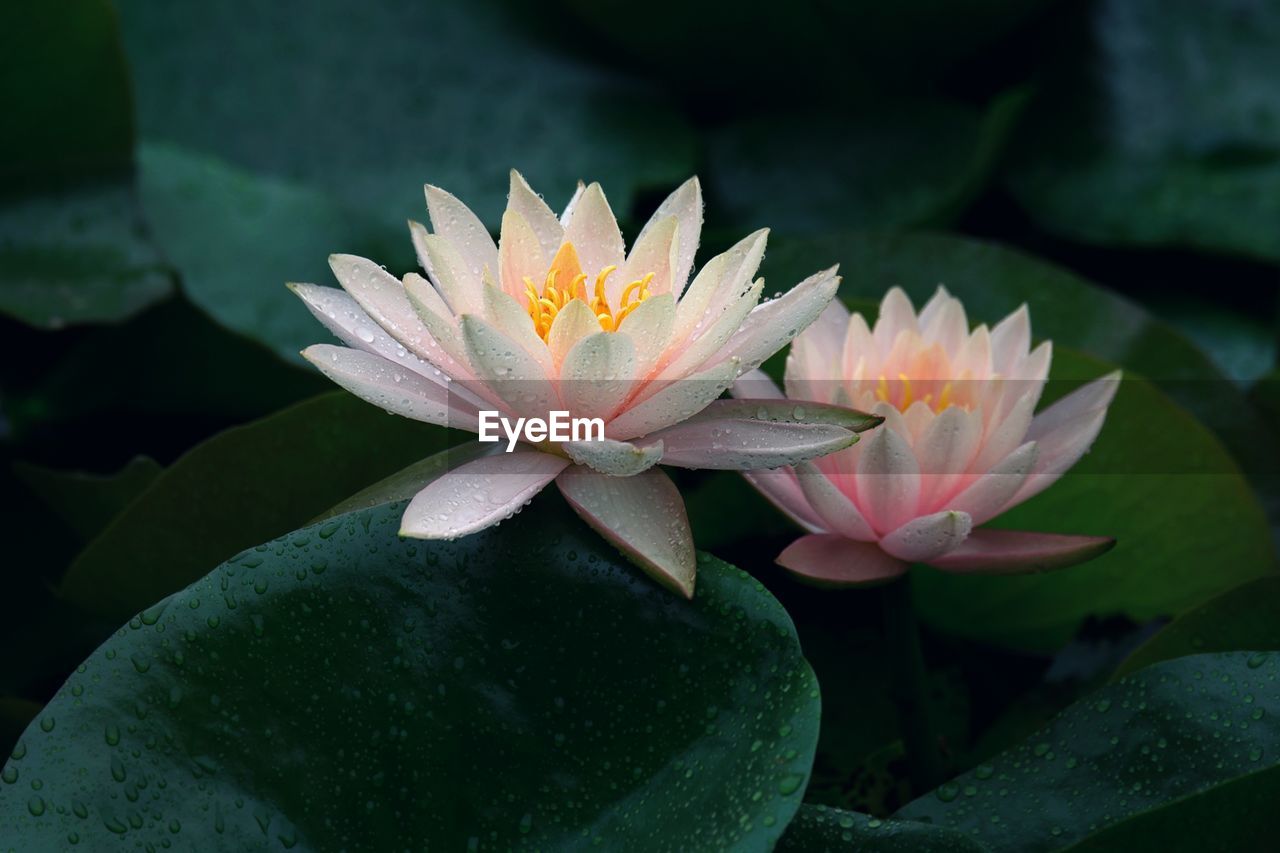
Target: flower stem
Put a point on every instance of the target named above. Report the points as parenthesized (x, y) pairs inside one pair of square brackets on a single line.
[(908, 685)]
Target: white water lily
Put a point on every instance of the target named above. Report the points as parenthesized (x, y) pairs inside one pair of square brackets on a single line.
[(559, 316)]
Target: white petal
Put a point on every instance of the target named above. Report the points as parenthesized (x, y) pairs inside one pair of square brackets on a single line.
[(504, 312), (454, 221), (832, 505), (644, 516), (479, 494), (615, 458), (390, 386), (448, 353), (597, 375), (520, 255), (508, 371), (945, 452), (743, 444), (946, 324), (685, 204), (928, 537), (593, 231), (383, 298), (567, 213), (674, 402), (448, 273), (1059, 450), (773, 324), (343, 316), (651, 254), (888, 481), (649, 327), (717, 283), (709, 345), (573, 323), (1005, 435), (987, 496), (524, 201)]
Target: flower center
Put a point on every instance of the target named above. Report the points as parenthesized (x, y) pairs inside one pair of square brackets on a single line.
[(901, 393), (566, 282)]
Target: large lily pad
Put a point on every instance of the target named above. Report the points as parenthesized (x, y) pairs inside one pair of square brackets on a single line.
[(881, 166), (1182, 755), (239, 487), (1161, 126), (72, 246), (344, 688), (1247, 617), (821, 829)]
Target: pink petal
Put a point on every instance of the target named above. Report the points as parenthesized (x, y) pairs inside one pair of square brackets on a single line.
[(928, 537), (737, 444), (1096, 395), (455, 222), (896, 316), (1014, 551), (780, 488), (1059, 450), (987, 496), (1011, 339), (834, 561), (830, 504), (479, 494), (888, 480), (756, 384), (710, 345), (943, 321), (644, 516)]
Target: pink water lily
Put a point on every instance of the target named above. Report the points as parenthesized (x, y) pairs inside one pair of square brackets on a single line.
[(960, 444), (557, 315)]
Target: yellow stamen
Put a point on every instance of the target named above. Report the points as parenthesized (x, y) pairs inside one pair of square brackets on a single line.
[(944, 399), (544, 306), (882, 390), (906, 391)]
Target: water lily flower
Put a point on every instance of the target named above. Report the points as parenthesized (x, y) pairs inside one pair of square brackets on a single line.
[(559, 317), (959, 445)]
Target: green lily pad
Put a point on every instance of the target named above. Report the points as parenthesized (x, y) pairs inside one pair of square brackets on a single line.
[(1182, 755), (88, 502), (238, 238), (822, 829), (341, 687), (905, 164), (1161, 127), (239, 487), (448, 93), (72, 245), (1157, 481), (1247, 617)]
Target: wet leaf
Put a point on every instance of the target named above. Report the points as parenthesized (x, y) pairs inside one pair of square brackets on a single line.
[(1160, 127), (821, 829), (342, 687), (1182, 755), (237, 488)]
